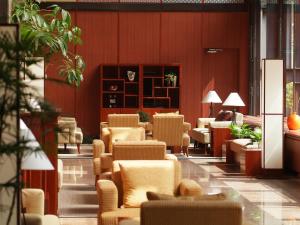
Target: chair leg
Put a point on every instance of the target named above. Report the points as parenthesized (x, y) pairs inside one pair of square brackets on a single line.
[(78, 148), (65, 146), (185, 150)]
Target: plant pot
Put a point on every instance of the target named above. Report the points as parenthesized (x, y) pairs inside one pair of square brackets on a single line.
[(293, 121)]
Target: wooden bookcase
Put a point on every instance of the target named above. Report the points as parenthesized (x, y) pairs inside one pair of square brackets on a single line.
[(148, 91)]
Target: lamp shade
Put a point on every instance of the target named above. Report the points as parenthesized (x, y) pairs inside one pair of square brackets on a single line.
[(212, 97), (33, 160), (233, 99)]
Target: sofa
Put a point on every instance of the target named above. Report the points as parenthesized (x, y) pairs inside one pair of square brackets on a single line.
[(131, 179), (33, 207), (172, 212)]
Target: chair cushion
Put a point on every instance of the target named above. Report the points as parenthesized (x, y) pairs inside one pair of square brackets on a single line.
[(125, 134), (224, 116), (50, 220), (113, 217), (141, 176)]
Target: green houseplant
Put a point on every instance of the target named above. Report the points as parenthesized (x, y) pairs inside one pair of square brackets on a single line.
[(171, 79), (49, 32)]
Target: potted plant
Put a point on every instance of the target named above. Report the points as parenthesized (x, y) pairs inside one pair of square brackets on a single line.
[(171, 79), (256, 136), (243, 131)]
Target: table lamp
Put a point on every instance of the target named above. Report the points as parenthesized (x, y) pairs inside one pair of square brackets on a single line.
[(33, 160), (211, 97), (234, 100)]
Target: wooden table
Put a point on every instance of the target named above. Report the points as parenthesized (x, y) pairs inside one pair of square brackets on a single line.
[(249, 159)]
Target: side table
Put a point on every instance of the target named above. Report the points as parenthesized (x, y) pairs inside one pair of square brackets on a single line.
[(218, 137)]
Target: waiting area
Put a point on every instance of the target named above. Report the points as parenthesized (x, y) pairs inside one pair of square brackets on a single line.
[(171, 112)]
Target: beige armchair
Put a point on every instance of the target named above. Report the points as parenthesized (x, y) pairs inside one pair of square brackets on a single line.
[(69, 132), (173, 130), (33, 207), (127, 150), (122, 196), (179, 212), (119, 120)]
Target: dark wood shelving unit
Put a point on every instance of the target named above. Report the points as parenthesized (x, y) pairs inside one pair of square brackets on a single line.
[(148, 91)]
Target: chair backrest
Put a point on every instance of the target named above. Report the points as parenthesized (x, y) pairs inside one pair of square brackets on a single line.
[(33, 200), (139, 150), (123, 120), (168, 128), (125, 134), (178, 212), (145, 167)]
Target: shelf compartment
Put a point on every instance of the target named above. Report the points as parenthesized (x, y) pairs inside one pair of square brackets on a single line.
[(110, 72), (113, 85), (131, 101), (173, 93), (147, 87), (113, 100), (152, 71), (174, 70), (132, 88), (123, 72), (158, 82), (160, 92), (159, 102)]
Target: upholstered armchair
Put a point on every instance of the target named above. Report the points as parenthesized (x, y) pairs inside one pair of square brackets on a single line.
[(33, 207), (178, 212), (127, 150), (69, 133), (122, 196), (102, 149), (120, 120), (173, 130)]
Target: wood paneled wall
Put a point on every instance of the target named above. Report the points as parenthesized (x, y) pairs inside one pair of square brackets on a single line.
[(159, 37)]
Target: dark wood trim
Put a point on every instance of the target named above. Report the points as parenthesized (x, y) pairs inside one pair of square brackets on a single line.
[(149, 7)]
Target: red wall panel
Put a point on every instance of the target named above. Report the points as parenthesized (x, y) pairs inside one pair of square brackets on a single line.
[(181, 35), (99, 35), (162, 38), (139, 37)]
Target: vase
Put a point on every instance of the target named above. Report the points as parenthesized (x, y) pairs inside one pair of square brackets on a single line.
[(293, 121), (130, 75), (174, 81)]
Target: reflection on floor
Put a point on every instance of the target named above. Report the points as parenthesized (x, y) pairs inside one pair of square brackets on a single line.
[(266, 201)]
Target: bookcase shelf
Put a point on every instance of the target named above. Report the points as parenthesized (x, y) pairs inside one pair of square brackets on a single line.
[(147, 90)]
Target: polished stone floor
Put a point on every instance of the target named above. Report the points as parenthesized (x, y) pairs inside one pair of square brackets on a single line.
[(266, 201)]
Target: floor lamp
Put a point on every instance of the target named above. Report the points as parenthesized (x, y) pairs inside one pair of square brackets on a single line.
[(234, 100), (211, 97)]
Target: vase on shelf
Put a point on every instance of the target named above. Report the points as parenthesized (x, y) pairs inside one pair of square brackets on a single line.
[(293, 121), (174, 81), (130, 75)]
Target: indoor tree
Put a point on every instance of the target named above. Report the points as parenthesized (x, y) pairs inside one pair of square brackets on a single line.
[(48, 32)]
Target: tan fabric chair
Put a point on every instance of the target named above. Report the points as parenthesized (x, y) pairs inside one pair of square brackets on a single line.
[(127, 150), (120, 120), (33, 205), (148, 175), (179, 212), (69, 132), (173, 130)]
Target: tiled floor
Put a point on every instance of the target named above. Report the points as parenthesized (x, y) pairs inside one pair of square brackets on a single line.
[(266, 201)]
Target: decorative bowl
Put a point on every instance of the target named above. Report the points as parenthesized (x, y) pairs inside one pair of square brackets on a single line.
[(113, 87)]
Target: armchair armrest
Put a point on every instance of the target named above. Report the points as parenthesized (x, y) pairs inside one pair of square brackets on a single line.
[(98, 148), (105, 136), (32, 219), (33, 200), (203, 122), (220, 124), (186, 126), (107, 195), (189, 187)]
